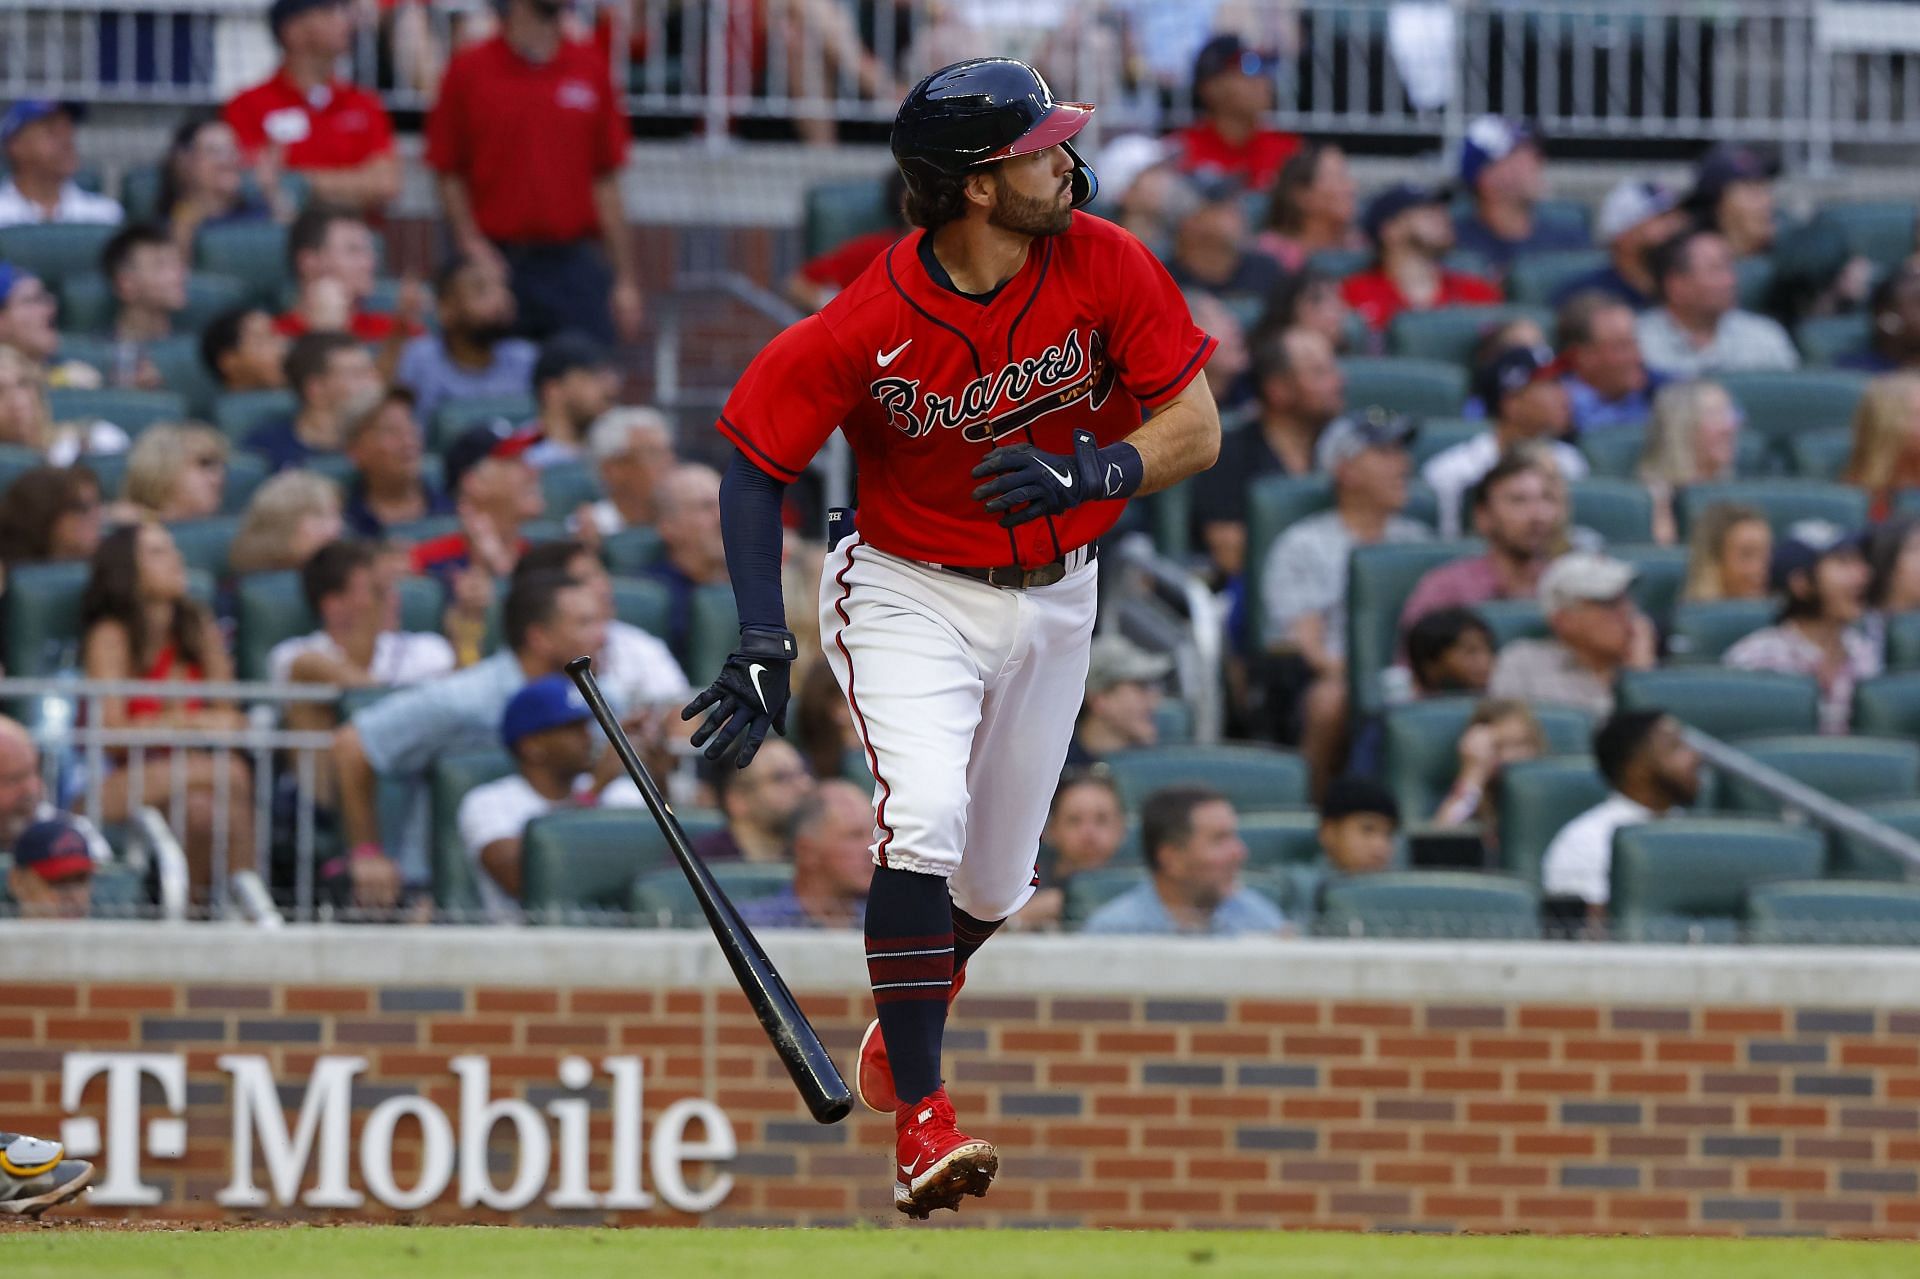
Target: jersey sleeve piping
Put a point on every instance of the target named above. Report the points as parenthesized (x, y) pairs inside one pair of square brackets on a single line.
[(779, 470), (1187, 373)]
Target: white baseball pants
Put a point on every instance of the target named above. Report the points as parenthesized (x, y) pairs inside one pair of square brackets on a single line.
[(965, 695)]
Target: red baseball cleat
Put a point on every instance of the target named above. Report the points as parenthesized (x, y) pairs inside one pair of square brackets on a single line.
[(873, 1074), (935, 1164)]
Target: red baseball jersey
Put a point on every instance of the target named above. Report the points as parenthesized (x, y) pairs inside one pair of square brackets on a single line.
[(338, 126), (1090, 333)]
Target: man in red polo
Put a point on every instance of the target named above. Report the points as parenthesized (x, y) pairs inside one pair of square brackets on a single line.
[(528, 138), (1411, 235), (335, 135)]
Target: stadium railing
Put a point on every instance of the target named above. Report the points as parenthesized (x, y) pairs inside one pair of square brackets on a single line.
[(1804, 75)]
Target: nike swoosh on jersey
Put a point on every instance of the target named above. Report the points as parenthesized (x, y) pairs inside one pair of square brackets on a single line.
[(1065, 478), (884, 359), (754, 672)]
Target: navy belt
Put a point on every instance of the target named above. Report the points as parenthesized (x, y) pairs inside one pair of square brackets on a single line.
[(1013, 577)]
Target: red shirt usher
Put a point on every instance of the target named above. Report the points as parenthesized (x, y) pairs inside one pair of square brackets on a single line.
[(338, 126), (1090, 333)]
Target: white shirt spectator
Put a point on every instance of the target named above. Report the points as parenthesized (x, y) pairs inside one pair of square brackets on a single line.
[(75, 205), (1306, 572), (501, 809), (1741, 341), (1451, 472), (1786, 650), (399, 657), (1579, 861), (640, 667)]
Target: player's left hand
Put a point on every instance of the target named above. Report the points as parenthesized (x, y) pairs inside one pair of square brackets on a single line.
[(748, 698), (1026, 483)]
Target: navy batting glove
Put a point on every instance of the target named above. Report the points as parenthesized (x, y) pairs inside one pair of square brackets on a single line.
[(1027, 484), (748, 698)]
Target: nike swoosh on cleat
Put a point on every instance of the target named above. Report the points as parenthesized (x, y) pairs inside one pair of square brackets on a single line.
[(1065, 478), (754, 672), (889, 357), (913, 1169)]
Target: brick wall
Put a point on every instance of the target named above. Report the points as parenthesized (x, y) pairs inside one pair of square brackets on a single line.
[(1113, 1108)]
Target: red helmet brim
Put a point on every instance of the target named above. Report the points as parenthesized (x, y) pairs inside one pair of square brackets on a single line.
[(1057, 126)]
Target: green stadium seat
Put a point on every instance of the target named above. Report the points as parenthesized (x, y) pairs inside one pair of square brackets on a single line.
[(1877, 229), (270, 608), (237, 413), (1277, 840), (1785, 502), (1821, 454), (1824, 339), (643, 602), (1088, 891), (1618, 510), (1256, 778), (1903, 641), (631, 551), (457, 415), (1537, 276), (1687, 878), (1853, 770), (1274, 504), (1823, 913), (87, 305), (42, 618), (580, 862), (1571, 216), (1449, 333), (1170, 519), (567, 486), (1422, 388), (1422, 747), (204, 543), (712, 632), (422, 601), (131, 411), (1416, 903), (838, 211), (1613, 453), (55, 251), (16, 460), (1727, 704), (1851, 857), (1379, 580), (1906, 502), (1173, 722), (1340, 263), (664, 898), (1535, 799), (455, 885), (1703, 631), (178, 362), (1661, 574), (246, 472), (1438, 434), (1779, 404), (1510, 620), (1753, 278), (119, 891), (1888, 705), (252, 252)]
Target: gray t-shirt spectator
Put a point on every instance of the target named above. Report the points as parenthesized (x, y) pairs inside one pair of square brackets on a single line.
[(1140, 910), (1306, 572), (1544, 670), (1742, 341), (426, 370)]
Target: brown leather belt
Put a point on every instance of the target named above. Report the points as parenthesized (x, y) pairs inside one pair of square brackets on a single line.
[(1012, 577)]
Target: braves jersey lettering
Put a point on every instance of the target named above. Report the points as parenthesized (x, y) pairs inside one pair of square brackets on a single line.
[(1090, 334)]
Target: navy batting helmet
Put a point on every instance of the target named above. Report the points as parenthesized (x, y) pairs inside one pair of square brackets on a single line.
[(981, 110)]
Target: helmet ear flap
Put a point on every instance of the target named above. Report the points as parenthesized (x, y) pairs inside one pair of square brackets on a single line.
[(1086, 184)]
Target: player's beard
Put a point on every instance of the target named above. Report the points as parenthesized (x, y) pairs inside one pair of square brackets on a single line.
[(1024, 215)]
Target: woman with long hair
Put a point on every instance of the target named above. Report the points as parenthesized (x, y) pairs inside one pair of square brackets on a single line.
[(138, 622), (203, 183), (1312, 208), (293, 515), (1728, 553), (50, 513), (177, 471), (1694, 438), (1886, 441)]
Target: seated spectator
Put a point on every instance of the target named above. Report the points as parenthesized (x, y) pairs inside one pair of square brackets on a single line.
[(632, 450), (1233, 94), (1699, 329), (26, 418), (309, 120), (1226, 368), (1411, 234), (148, 277), (823, 726), (333, 380), (1821, 577), (1359, 821), (475, 352), (27, 311), (332, 259), (574, 383), (494, 493), (23, 795), (1313, 207), (822, 276), (1305, 590), (1694, 438), (1651, 773), (687, 516), (1449, 650), (1299, 389), (1123, 692), (1504, 172), (1525, 402), (1635, 216), (1211, 248), (1729, 550), (832, 864), (243, 350), (546, 622), (1308, 299), (203, 183), (1191, 839), (1607, 382), (1149, 195), (759, 802), (386, 447), (633, 662), (1086, 824), (1893, 341), (1500, 732), (1816, 273), (177, 471), (1886, 441), (544, 727), (1893, 559), (1598, 632), (37, 141), (52, 872), (289, 517), (139, 623), (1517, 510), (49, 514), (1733, 195), (1500, 336)]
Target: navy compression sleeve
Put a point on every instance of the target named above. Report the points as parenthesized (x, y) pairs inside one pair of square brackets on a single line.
[(750, 513)]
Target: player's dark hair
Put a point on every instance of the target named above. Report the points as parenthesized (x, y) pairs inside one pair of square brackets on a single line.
[(1618, 741), (1433, 636), (309, 231), (1674, 256), (1166, 817), (532, 601), (329, 569), (309, 356), (222, 336), (938, 200), (549, 557), (125, 242), (1517, 461)]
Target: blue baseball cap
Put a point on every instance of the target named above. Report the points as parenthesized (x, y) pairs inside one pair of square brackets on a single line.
[(1394, 201), (1489, 140), (55, 850), (11, 275), (548, 702), (32, 110)]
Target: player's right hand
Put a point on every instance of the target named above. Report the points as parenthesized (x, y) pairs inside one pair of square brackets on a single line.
[(748, 698)]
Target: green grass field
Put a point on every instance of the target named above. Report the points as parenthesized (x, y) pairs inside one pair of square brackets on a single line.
[(72, 1251)]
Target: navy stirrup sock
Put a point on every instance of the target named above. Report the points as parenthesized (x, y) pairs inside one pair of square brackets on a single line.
[(910, 953), (969, 935)]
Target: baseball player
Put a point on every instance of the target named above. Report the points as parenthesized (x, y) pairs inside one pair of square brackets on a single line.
[(1008, 374)]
